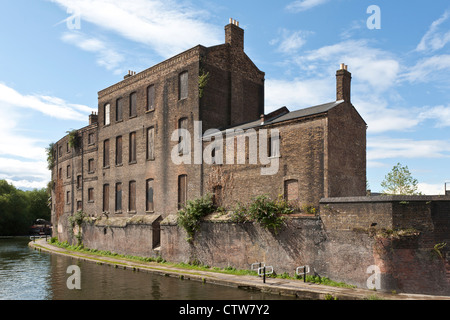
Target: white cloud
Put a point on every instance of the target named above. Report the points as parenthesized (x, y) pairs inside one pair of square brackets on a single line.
[(440, 114), (107, 57), (50, 106), (431, 189), (297, 94), (435, 39), (386, 148), (168, 27), (290, 41), (429, 69), (303, 5)]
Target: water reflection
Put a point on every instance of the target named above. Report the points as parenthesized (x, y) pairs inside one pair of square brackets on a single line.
[(28, 274)]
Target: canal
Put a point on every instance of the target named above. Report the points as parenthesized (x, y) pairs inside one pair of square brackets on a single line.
[(27, 274)]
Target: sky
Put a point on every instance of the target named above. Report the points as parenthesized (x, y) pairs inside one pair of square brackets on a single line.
[(55, 55)]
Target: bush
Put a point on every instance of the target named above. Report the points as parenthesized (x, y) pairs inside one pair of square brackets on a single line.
[(190, 215)]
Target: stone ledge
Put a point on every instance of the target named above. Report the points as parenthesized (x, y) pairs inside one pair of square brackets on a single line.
[(122, 222), (383, 199)]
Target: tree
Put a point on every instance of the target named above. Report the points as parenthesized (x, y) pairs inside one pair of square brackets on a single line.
[(400, 182)]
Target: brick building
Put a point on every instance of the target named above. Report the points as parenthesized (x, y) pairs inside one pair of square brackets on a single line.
[(123, 165)]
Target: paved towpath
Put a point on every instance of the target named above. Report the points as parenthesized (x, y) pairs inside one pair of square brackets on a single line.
[(273, 285)]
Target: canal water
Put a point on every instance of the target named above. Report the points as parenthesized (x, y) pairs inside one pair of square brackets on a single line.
[(26, 274)]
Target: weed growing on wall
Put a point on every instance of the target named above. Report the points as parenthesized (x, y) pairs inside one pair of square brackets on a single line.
[(193, 211)]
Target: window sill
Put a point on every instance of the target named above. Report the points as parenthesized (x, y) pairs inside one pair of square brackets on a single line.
[(119, 121), (150, 211), (150, 110), (91, 172), (106, 167), (118, 212), (132, 162), (132, 117), (119, 164), (151, 159), (132, 212)]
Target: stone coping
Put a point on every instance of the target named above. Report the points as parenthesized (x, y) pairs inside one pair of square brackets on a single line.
[(383, 198), (122, 222)]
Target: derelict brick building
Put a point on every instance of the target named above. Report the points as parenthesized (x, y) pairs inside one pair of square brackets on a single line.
[(123, 164)]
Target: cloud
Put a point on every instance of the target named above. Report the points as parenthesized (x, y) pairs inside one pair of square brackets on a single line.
[(440, 114), (303, 5), (290, 41), (431, 189), (168, 27), (435, 39), (50, 106), (296, 94), (387, 148), (428, 69), (107, 57)]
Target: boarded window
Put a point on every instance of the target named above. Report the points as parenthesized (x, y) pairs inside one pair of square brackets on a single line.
[(91, 138), (79, 181), (107, 113), (68, 171), (183, 85), (132, 147), (60, 151), (118, 196), (132, 196), (217, 196), (68, 197), (79, 205), (151, 143), (106, 198), (119, 109), (91, 195), (106, 153), (291, 191), (151, 98), (60, 173), (119, 150), (91, 166), (183, 147), (133, 105), (182, 190), (149, 196)]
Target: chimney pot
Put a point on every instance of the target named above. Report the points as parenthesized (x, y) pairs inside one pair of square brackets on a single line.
[(343, 83)]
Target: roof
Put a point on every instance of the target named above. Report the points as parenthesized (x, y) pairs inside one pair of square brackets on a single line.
[(283, 114)]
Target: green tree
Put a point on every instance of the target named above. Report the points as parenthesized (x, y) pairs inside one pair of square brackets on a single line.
[(400, 182), (19, 209)]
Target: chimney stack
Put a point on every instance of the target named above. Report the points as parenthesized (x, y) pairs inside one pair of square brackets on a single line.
[(93, 118), (343, 83), (234, 35)]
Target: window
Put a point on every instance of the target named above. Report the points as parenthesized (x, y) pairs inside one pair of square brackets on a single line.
[(149, 196), (183, 85), (106, 153), (91, 195), (182, 190), (132, 147), (183, 147), (119, 150), (79, 205), (118, 197), (67, 147), (106, 198), (151, 143), (274, 146), (60, 173), (132, 196), (119, 109), (133, 105), (60, 151), (68, 171), (107, 112), (291, 191), (91, 138), (151, 98), (68, 197), (91, 167), (79, 181)]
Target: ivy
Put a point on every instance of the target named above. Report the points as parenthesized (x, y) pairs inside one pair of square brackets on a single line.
[(74, 139), (189, 217), (50, 156), (202, 82)]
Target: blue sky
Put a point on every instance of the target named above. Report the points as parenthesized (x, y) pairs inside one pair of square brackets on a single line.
[(55, 55)]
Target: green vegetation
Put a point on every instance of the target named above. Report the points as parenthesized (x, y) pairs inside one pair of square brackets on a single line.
[(19, 209), (202, 82), (268, 213), (193, 211), (74, 139), (77, 220), (50, 150), (400, 182)]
